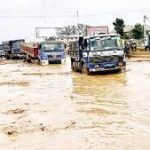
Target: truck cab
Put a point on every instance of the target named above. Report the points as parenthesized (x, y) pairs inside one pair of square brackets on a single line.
[(98, 53), (51, 52)]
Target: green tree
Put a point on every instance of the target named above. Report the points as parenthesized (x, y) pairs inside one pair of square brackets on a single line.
[(72, 30), (138, 31), (119, 26)]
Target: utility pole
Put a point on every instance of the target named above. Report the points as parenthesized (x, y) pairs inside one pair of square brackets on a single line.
[(78, 22), (145, 18), (145, 27)]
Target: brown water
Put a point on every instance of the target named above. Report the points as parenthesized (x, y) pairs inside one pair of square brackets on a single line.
[(52, 108)]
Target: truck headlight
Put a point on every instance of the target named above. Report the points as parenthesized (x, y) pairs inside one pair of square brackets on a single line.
[(120, 64)]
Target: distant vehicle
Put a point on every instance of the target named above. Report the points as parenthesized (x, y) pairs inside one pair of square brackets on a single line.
[(12, 48), (51, 52), (45, 52), (97, 53), (147, 42), (2, 52)]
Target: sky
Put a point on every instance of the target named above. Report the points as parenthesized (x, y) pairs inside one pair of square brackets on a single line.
[(18, 18)]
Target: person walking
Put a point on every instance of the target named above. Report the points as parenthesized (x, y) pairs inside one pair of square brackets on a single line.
[(127, 49)]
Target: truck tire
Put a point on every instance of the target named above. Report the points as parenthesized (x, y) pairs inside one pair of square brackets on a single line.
[(74, 66), (7, 56), (28, 59), (59, 62), (80, 65), (24, 58), (11, 56), (39, 62), (85, 70)]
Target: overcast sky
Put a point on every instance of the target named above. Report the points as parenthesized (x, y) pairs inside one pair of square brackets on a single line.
[(20, 17)]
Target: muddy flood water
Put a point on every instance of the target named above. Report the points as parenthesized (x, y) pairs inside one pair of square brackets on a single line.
[(52, 108)]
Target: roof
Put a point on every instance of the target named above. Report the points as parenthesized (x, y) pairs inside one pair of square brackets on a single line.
[(10, 41), (53, 41)]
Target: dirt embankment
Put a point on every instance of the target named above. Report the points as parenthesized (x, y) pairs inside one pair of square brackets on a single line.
[(140, 53)]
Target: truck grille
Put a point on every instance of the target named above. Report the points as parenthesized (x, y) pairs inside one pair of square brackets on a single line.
[(105, 59), (54, 56)]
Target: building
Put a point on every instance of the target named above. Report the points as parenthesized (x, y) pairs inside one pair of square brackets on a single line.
[(93, 30)]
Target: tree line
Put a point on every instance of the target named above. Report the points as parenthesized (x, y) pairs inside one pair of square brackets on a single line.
[(137, 32)]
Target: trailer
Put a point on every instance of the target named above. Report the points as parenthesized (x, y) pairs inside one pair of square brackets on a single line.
[(30, 51)]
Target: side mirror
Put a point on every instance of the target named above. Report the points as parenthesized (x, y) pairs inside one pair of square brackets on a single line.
[(39, 46)]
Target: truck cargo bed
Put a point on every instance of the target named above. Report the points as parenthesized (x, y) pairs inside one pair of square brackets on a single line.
[(30, 49)]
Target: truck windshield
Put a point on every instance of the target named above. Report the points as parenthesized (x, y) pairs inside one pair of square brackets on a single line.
[(52, 47), (16, 45), (1, 47), (106, 44)]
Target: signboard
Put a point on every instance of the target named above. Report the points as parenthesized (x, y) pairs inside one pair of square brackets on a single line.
[(46, 32), (94, 30)]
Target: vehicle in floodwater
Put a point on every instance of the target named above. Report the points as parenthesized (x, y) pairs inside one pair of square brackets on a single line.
[(12, 48), (30, 51), (97, 54), (2, 52), (45, 52), (51, 52), (147, 42)]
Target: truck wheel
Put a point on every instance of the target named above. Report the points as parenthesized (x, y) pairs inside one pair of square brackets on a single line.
[(39, 62), (85, 70), (80, 67), (11, 56), (74, 66), (24, 58), (28, 59), (7, 56), (59, 62)]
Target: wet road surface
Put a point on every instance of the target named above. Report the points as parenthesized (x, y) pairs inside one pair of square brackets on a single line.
[(52, 108)]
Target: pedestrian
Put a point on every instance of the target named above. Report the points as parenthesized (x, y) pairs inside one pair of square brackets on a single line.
[(127, 49), (133, 46)]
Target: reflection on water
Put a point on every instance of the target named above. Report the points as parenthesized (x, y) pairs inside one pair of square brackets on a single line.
[(50, 107)]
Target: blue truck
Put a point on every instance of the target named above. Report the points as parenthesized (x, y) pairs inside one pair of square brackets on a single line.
[(97, 54), (51, 52), (45, 52), (12, 48)]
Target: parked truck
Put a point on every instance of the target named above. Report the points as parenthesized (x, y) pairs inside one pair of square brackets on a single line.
[(45, 52), (2, 52), (147, 42), (12, 48), (97, 53)]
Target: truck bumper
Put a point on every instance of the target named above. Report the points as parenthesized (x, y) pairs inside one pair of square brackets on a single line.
[(107, 69)]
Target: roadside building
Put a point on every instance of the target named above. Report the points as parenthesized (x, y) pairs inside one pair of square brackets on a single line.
[(93, 30)]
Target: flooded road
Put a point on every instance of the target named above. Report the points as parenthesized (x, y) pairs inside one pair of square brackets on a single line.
[(52, 108)]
